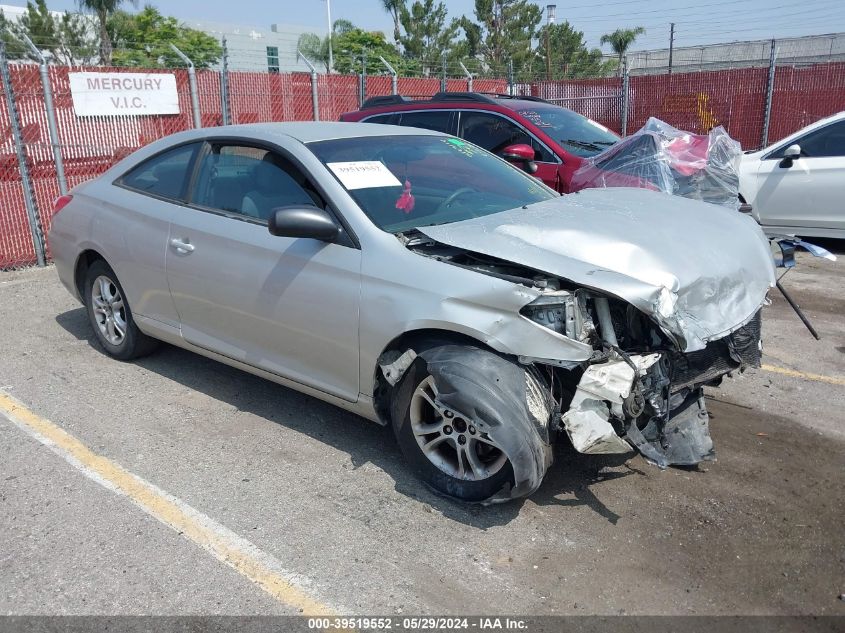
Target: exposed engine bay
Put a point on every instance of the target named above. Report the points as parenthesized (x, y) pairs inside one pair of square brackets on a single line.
[(637, 390)]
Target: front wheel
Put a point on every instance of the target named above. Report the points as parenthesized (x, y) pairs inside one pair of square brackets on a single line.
[(448, 451), (110, 316)]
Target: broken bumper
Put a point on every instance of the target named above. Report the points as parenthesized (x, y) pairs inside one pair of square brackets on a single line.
[(653, 402)]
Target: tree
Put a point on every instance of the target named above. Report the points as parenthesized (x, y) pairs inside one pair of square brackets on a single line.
[(507, 28), (16, 48), (350, 47), (620, 40), (427, 35), (104, 9), (157, 32), (570, 57), (67, 39), (395, 8), (316, 49), (77, 43)]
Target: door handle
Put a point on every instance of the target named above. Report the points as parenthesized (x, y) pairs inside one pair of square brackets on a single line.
[(182, 246)]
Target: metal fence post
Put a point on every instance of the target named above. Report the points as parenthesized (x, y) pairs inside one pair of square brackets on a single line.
[(510, 77), (315, 104), (770, 89), (20, 150), (394, 78), (469, 76), (443, 83), (625, 97), (224, 85), (52, 125), (363, 91), (192, 83)]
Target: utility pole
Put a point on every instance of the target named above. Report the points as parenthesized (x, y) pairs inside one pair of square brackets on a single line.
[(550, 15), (331, 32), (671, 44)]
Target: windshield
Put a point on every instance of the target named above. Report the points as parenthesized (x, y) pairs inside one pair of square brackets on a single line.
[(403, 182), (577, 134)]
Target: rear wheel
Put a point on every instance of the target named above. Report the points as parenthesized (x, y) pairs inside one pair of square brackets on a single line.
[(448, 450), (110, 316)]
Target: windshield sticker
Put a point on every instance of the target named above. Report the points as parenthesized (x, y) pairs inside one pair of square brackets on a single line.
[(364, 174), (535, 118), (462, 146)]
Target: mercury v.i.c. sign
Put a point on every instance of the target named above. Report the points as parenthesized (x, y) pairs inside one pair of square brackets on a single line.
[(123, 94)]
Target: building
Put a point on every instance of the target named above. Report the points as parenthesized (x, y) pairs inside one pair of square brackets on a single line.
[(795, 50), (258, 49)]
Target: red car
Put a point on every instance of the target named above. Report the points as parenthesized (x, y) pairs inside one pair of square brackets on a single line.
[(525, 130)]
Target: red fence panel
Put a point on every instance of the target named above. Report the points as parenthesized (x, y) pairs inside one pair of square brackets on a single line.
[(337, 94), (597, 99), (804, 95), (699, 101)]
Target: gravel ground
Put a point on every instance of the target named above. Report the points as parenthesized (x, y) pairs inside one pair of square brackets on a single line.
[(326, 493)]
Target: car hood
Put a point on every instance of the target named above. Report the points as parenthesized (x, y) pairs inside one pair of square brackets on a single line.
[(700, 270)]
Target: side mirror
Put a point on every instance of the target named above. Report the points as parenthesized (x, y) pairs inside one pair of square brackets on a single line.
[(792, 152), (303, 221), (522, 154)]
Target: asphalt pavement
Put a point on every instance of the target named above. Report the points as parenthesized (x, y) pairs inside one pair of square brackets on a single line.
[(177, 485)]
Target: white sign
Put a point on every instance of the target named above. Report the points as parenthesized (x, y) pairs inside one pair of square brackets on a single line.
[(364, 174), (123, 94)]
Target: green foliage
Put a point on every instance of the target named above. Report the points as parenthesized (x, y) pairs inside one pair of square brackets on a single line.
[(621, 39), (65, 40), (9, 35), (507, 28), (395, 8), (427, 35), (349, 48), (143, 40), (570, 57), (103, 10)]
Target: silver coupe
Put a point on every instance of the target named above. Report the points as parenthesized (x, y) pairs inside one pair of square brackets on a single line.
[(417, 280)]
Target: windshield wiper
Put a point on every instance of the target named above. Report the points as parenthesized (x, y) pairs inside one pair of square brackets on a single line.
[(604, 142), (582, 144)]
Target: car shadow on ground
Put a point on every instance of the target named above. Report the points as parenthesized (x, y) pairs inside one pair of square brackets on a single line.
[(570, 477)]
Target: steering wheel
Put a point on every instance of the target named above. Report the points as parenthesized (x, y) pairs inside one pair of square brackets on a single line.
[(455, 195)]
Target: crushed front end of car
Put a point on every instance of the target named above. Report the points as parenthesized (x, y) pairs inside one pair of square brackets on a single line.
[(667, 293), (638, 390)]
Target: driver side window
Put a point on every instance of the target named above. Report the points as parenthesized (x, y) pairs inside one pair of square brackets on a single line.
[(249, 181), (494, 133), (825, 142)]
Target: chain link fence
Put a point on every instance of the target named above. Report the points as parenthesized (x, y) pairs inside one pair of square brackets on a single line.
[(754, 104)]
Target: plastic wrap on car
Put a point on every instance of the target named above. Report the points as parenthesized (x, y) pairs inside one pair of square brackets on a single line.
[(659, 156)]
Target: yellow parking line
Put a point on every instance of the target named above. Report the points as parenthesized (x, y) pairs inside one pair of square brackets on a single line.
[(831, 380), (223, 544)]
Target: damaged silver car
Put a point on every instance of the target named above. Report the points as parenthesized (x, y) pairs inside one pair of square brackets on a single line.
[(419, 281)]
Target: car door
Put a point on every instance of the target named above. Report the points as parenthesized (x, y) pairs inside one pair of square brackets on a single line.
[(133, 220), (494, 132), (807, 191), (285, 305)]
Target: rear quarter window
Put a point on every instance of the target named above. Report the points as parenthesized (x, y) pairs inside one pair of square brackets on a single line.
[(389, 119), (165, 175)]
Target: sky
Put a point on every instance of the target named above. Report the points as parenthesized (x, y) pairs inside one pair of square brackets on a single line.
[(700, 22)]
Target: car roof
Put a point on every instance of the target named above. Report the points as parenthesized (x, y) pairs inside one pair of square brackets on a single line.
[(307, 131), (387, 104)]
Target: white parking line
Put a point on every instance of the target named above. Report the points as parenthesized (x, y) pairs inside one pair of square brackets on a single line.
[(225, 545)]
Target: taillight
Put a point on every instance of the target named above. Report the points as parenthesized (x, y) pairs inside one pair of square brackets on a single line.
[(61, 203)]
